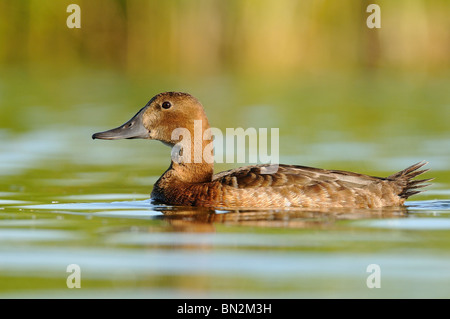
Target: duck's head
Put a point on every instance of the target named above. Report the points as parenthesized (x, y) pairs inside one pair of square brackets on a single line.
[(157, 120)]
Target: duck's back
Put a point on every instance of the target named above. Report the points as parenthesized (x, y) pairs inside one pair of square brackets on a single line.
[(301, 186), (296, 186)]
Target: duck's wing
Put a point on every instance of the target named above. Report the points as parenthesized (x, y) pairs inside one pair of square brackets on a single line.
[(306, 186), (286, 175)]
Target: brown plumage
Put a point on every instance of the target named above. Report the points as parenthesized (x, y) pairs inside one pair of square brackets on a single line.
[(193, 184)]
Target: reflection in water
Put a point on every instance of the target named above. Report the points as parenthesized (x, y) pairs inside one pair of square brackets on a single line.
[(192, 219), (201, 219)]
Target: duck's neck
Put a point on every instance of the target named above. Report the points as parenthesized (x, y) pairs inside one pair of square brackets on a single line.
[(192, 157), (192, 172)]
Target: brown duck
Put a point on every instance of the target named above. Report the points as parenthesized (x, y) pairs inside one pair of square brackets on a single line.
[(193, 183)]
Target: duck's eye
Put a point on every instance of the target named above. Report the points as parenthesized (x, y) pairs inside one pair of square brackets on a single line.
[(166, 105)]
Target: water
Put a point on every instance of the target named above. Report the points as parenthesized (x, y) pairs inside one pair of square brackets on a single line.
[(135, 249), (65, 199)]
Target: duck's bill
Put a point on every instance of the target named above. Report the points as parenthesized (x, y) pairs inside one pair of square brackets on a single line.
[(134, 128)]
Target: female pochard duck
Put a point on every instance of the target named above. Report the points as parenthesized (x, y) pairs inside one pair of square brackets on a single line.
[(189, 183)]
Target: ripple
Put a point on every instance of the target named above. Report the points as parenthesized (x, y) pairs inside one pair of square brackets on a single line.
[(438, 192), (12, 202), (429, 205), (145, 204), (241, 240), (26, 235), (105, 196), (29, 222), (101, 263), (129, 213), (422, 223)]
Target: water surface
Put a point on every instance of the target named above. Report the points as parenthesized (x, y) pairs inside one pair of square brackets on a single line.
[(65, 199)]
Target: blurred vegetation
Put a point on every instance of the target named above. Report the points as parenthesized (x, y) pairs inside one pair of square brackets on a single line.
[(314, 63), (207, 37)]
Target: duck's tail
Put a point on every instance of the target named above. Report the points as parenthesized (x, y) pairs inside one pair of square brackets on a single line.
[(404, 179)]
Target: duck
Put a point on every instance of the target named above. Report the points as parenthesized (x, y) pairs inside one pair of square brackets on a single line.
[(193, 183)]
